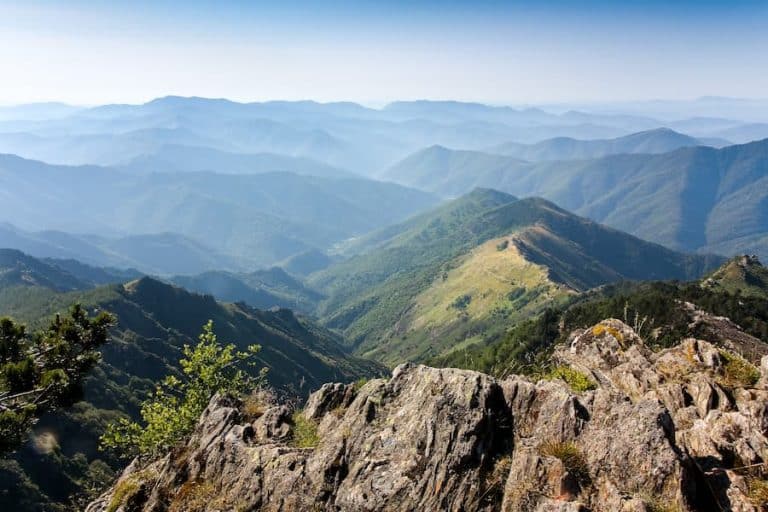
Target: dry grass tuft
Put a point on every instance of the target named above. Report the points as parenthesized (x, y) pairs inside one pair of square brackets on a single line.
[(571, 457), (256, 403)]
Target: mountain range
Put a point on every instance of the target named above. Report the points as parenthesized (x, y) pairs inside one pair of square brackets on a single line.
[(692, 199), (344, 135), (659, 140), (254, 220), (458, 274), (347, 240)]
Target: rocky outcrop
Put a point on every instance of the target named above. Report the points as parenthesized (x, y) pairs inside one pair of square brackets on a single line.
[(620, 428)]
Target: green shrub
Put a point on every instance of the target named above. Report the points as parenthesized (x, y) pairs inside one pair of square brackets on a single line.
[(304, 434), (462, 302), (578, 381), (172, 411), (737, 371), (42, 371)]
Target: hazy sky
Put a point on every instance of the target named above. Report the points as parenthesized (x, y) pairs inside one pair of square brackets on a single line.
[(91, 52)]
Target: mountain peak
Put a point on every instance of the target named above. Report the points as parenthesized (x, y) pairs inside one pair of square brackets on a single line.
[(743, 274)]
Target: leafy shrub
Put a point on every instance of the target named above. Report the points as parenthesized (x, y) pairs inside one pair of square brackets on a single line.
[(571, 457), (304, 433), (737, 371), (577, 380), (171, 412)]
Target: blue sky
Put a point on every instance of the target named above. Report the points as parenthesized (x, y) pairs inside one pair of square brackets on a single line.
[(91, 52)]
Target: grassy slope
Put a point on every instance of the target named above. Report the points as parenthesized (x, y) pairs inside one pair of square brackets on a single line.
[(389, 299), (490, 287), (653, 307), (743, 275)]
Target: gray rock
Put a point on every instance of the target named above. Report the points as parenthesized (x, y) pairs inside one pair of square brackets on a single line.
[(659, 429)]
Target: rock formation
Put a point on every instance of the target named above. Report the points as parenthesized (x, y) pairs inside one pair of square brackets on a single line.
[(619, 428)]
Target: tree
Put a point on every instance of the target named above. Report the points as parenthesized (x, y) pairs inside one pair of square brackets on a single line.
[(172, 410), (43, 371)]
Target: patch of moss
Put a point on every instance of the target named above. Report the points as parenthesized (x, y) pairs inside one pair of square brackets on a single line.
[(193, 497), (578, 381), (124, 490), (304, 433), (657, 505), (601, 329), (127, 489), (757, 492)]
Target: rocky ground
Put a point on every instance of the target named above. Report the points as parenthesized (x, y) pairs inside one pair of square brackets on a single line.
[(614, 427)]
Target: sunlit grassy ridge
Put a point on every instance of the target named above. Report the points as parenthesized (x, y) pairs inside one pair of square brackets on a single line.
[(466, 271), (489, 288)]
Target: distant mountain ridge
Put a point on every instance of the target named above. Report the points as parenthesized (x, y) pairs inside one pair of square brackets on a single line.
[(20, 269), (658, 140), (179, 158), (163, 253), (262, 289), (234, 222), (342, 135), (693, 199)]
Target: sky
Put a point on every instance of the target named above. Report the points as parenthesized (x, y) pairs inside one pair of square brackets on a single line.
[(514, 52)]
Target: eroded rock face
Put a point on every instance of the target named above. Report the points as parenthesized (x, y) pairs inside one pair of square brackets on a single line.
[(666, 429)]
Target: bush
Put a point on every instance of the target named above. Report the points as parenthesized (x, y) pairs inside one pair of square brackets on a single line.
[(462, 302), (578, 381), (171, 412), (304, 433), (737, 371)]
